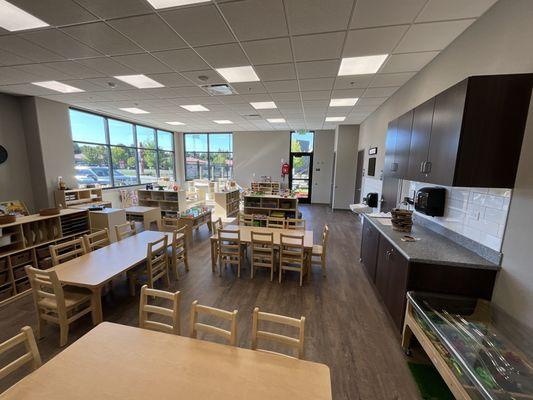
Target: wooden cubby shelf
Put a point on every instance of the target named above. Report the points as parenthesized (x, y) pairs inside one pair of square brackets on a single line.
[(170, 202), (25, 242), (271, 206), (80, 198), (266, 187), (227, 203)]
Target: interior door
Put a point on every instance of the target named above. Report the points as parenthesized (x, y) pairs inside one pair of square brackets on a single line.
[(301, 176), (359, 175)]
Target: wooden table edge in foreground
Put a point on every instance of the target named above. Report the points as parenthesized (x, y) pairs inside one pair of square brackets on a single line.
[(97, 288), (116, 361)]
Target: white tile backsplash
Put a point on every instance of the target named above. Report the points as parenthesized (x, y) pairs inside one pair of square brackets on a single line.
[(477, 213)]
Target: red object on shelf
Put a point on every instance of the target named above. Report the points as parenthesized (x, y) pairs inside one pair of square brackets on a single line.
[(285, 169)]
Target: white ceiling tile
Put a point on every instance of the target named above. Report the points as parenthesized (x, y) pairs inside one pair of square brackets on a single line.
[(43, 72), (384, 80), (270, 51), (182, 60), (249, 87), (85, 84), (317, 69), (149, 31), (364, 109), (275, 72), (56, 41), (380, 92), (8, 58), (373, 41), (143, 63), (385, 12), (74, 69), (431, 36), (316, 95), (55, 12), (107, 66), (25, 89), (285, 96), (223, 55), (318, 47), (170, 79), (209, 77), (199, 26), (312, 16), (316, 84), (354, 81), (248, 98), (11, 75), (27, 49), (347, 93), (116, 8), (371, 101), (408, 62), (439, 10), (281, 86), (103, 38), (256, 19), (185, 91), (103, 83)]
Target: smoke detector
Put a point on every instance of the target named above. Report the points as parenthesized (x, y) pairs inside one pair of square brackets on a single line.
[(219, 89)]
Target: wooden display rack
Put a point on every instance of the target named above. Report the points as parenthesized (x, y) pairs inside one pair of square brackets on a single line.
[(80, 198), (170, 202), (227, 203), (266, 187), (29, 238), (271, 205)]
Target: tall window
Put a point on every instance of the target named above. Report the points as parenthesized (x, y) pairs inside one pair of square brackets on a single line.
[(116, 153), (208, 155)]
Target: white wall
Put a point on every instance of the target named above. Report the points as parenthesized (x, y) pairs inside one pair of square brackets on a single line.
[(259, 153), (15, 178), (322, 166), (497, 43), (346, 139)]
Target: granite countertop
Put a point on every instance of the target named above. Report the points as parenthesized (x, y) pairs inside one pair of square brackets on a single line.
[(432, 248)]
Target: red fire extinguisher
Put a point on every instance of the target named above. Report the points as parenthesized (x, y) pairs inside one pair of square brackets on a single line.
[(284, 169)]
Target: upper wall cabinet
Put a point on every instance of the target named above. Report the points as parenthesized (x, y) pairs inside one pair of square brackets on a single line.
[(469, 135), (397, 146)]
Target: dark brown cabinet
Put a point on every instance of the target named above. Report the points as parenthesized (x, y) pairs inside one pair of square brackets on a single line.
[(403, 141), (469, 135), (369, 249), (390, 148)]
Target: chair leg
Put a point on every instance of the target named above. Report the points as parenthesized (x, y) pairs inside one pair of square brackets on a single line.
[(186, 261), (167, 276), (272, 273), (133, 282), (301, 276), (63, 333), (280, 270), (41, 323), (324, 267)]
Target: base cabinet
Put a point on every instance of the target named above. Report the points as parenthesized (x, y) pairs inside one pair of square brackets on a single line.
[(369, 249)]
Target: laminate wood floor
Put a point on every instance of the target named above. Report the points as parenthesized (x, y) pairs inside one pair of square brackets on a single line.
[(346, 325)]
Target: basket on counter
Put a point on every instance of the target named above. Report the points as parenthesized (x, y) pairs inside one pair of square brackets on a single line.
[(402, 220)]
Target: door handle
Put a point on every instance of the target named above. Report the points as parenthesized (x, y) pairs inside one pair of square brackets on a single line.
[(422, 166), (394, 167), (428, 167)]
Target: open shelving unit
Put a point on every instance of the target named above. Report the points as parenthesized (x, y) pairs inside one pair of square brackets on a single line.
[(80, 198), (170, 202), (26, 242), (263, 206), (227, 203), (266, 187)]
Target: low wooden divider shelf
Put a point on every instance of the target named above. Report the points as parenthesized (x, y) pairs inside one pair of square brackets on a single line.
[(227, 203), (266, 187), (80, 198), (170, 202), (25, 242), (262, 206)]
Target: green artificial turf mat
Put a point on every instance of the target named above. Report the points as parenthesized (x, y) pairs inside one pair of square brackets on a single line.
[(429, 382)]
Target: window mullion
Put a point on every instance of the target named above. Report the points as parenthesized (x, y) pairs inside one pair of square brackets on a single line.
[(136, 143), (109, 154)]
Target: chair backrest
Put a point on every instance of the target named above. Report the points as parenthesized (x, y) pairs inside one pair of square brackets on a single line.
[(294, 343), (173, 313), (157, 260), (63, 252), (197, 309), (295, 224), (169, 224), (262, 249), (125, 230), (96, 240), (31, 355), (179, 242), (217, 225), (246, 219), (276, 222), (229, 244), (47, 290), (292, 249), (325, 237)]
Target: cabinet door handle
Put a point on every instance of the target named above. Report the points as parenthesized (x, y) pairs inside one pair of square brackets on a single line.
[(428, 167), (422, 164), (394, 167)]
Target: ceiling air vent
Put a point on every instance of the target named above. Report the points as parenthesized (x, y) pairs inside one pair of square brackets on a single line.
[(252, 116), (221, 89)]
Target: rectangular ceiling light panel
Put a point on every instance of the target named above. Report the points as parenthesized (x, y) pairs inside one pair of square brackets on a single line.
[(223, 121), (347, 102), (362, 65), (238, 74), (134, 110), (276, 120), (14, 19), (263, 105), (139, 81), (174, 123), (58, 87), (194, 107), (158, 4), (335, 119)]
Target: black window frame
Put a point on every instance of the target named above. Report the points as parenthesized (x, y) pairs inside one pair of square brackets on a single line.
[(208, 152), (109, 146)]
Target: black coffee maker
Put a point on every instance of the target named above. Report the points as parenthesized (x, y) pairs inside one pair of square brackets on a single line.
[(371, 200)]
